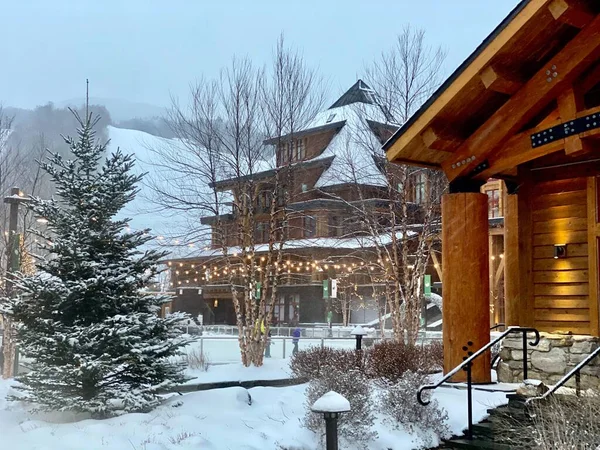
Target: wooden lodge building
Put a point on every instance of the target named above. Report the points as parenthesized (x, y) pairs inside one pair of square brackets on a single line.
[(523, 108), (323, 241)]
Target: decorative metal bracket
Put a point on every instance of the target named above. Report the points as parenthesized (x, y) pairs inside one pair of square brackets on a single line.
[(570, 128)]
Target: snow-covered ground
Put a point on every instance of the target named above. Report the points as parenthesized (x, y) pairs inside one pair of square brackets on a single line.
[(220, 419)]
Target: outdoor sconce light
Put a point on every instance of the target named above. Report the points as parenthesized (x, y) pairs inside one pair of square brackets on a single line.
[(216, 303), (331, 405), (358, 333), (560, 251)]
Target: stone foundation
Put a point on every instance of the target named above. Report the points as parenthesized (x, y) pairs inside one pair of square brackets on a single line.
[(550, 360)]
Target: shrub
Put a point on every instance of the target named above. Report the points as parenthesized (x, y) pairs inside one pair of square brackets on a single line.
[(309, 363), (560, 422), (354, 426), (195, 359), (399, 401), (389, 360)]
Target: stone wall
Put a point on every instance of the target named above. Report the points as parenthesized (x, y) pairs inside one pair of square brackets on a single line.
[(550, 360)]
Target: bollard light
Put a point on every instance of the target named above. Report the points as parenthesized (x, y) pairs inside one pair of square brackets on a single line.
[(358, 333), (331, 405)]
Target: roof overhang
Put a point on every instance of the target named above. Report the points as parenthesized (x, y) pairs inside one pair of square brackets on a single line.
[(480, 122)]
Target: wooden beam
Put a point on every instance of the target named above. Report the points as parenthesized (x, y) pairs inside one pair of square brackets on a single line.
[(589, 79), (570, 12), (436, 139), (545, 85), (570, 102), (504, 37), (499, 81), (517, 150)]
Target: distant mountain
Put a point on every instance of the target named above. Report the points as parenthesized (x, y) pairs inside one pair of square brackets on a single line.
[(120, 109)]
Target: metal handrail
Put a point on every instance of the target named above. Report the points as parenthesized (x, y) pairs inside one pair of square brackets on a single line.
[(468, 363), (498, 325), (575, 371)]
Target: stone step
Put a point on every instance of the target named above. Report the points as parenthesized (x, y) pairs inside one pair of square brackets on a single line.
[(475, 444), (483, 429)]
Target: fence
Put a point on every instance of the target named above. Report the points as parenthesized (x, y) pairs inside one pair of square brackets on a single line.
[(312, 332), (225, 349)]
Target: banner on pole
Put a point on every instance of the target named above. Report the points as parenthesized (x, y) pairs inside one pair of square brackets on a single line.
[(333, 288)]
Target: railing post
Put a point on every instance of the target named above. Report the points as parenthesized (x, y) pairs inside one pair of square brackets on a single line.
[(525, 356), (283, 347), (202, 345), (322, 343), (578, 383), (469, 402)]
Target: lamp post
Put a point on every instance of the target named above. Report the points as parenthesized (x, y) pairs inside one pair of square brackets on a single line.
[(358, 334), (15, 198), (331, 405)]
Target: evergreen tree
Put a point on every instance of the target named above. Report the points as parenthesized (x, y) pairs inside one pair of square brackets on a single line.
[(95, 337)]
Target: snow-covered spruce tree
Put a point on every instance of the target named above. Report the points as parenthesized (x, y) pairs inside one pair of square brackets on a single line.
[(95, 337)]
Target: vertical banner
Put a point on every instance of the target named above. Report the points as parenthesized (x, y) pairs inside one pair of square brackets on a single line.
[(333, 288), (326, 289), (427, 285)]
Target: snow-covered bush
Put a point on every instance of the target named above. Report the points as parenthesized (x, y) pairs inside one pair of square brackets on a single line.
[(308, 364), (399, 401), (389, 360), (195, 359), (354, 426), (96, 340)]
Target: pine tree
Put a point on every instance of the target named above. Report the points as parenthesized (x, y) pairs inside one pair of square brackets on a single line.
[(96, 338)]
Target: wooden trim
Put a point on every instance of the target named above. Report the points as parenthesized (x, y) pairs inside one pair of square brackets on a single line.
[(593, 255), (570, 62), (471, 71), (570, 12)]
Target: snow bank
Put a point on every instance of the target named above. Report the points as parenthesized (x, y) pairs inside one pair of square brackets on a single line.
[(210, 420)]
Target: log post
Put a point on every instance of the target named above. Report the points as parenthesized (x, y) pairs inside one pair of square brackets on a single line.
[(511, 261), (465, 270)]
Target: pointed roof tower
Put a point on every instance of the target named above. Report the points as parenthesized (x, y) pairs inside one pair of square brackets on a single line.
[(360, 92)]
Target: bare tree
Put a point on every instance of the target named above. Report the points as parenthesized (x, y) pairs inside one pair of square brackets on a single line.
[(223, 167), (396, 208), (406, 75)]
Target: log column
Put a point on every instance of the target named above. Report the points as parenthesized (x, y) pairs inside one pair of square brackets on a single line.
[(465, 263), (511, 260)]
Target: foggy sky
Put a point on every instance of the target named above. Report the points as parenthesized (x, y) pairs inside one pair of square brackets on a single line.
[(147, 50)]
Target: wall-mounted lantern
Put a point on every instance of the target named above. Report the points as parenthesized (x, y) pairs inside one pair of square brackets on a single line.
[(560, 251)]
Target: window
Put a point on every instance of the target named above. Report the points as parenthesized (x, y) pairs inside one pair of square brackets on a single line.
[(493, 203), (335, 226), (420, 187), (309, 228), (300, 150), (261, 233), (264, 200), (287, 309)]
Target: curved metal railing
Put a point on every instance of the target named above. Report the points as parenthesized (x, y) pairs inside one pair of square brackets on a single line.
[(468, 363)]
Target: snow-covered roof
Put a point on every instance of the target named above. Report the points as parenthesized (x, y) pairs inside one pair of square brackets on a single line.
[(345, 243)]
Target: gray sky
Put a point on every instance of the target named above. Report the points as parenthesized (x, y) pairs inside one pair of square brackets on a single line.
[(146, 50)]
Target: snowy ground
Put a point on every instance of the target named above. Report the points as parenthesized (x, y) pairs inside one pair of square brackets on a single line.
[(211, 420)]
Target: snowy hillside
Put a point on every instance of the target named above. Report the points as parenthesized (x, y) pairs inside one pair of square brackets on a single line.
[(143, 211)]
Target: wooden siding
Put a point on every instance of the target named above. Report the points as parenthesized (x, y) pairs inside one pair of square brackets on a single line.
[(560, 286)]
